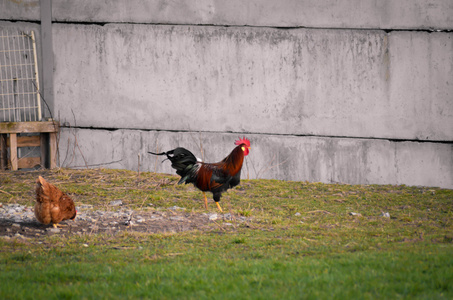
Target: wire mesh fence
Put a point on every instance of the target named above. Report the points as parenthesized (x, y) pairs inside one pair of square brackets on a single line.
[(19, 80)]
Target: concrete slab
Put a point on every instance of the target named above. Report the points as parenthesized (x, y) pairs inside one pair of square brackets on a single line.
[(421, 85), (384, 14), (329, 160), (298, 82), (24, 10), (424, 164)]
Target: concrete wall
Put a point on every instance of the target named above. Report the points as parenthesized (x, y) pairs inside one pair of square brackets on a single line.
[(321, 90)]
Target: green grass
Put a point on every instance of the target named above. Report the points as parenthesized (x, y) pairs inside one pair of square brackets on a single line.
[(323, 253)]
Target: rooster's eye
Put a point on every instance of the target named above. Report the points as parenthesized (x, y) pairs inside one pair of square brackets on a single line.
[(243, 148)]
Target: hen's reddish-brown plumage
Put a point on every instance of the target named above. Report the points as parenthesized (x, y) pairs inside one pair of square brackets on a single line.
[(52, 205), (213, 177)]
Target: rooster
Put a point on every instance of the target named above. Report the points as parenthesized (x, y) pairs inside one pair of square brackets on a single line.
[(213, 177), (52, 205)]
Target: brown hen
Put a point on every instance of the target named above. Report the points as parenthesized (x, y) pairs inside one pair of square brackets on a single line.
[(52, 205)]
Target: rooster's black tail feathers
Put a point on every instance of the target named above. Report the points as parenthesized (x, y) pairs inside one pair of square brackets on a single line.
[(182, 160)]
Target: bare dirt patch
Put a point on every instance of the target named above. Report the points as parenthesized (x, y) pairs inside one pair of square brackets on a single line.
[(24, 226), (144, 199)]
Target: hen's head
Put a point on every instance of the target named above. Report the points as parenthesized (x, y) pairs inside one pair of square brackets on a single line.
[(72, 213), (75, 214), (245, 145)]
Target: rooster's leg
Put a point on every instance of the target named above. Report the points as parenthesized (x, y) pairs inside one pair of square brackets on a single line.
[(205, 200), (218, 205)]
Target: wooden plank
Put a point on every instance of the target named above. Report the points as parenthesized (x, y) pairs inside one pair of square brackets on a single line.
[(53, 150), (28, 162), (24, 127), (13, 151), (3, 152), (27, 141)]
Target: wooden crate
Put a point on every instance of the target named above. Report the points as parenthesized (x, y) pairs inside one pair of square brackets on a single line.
[(47, 140)]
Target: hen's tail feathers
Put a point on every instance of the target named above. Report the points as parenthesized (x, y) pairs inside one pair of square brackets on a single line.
[(182, 160), (42, 189), (41, 180), (41, 183)]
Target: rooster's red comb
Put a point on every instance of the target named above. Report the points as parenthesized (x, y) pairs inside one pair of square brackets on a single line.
[(244, 140)]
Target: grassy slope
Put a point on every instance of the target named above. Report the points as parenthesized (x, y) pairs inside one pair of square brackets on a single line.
[(323, 253)]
